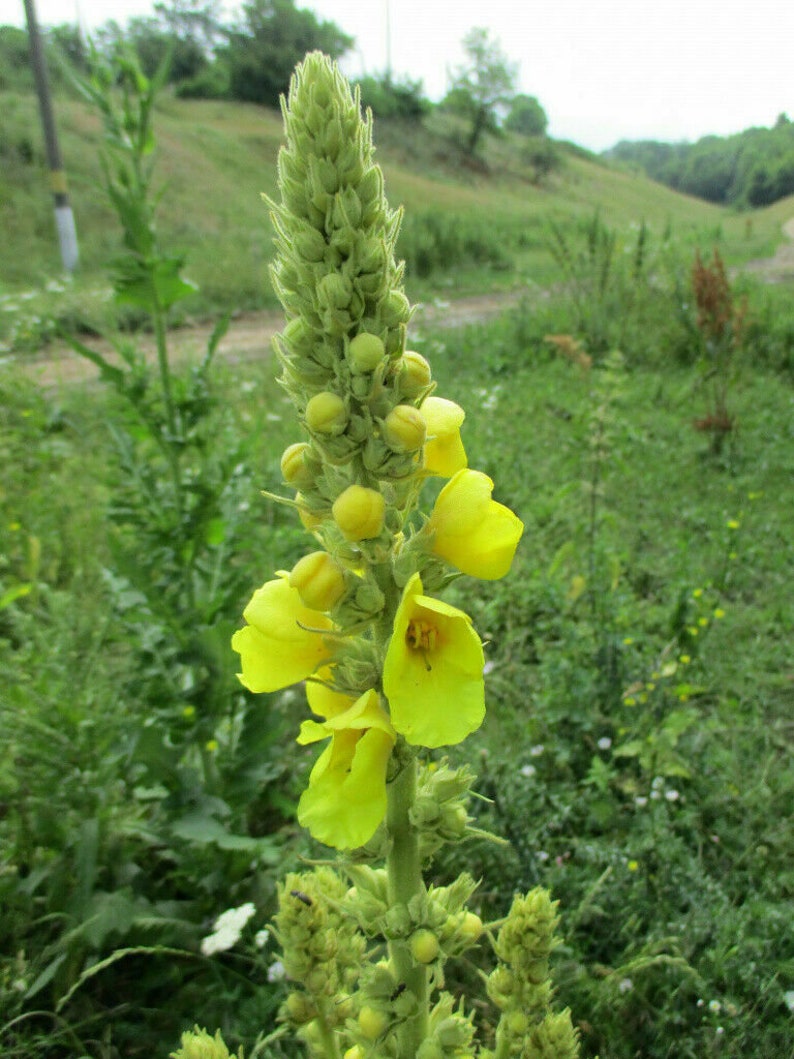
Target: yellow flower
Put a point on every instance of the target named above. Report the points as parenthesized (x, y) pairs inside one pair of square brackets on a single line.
[(444, 452), (472, 531), (432, 675), (281, 643), (346, 797)]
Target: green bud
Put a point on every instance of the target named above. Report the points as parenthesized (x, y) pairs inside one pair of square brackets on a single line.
[(197, 1044), (424, 946), (372, 1023), (404, 429), (414, 374), (300, 1008), (295, 465), (365, 352)]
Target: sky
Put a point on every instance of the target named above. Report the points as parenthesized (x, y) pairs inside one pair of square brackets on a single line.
[(604, 70)]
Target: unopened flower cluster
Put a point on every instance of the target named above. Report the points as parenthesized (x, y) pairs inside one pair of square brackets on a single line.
[(356, 618)]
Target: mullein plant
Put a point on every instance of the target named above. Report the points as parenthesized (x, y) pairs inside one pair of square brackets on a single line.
[(391, 671)]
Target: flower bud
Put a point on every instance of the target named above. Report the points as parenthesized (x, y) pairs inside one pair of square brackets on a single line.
[(319, 580), (310, 519), (354, 1053), (414, 375), (444, 452), (359, 513), (372, 1022), (424, 946), (300, 1008), (294, 464), (326, 414), (471, 928), (366, 352), (517, 1023), (404, 429)]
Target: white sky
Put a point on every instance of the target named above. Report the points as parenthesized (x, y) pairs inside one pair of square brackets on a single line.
[(604, 70)]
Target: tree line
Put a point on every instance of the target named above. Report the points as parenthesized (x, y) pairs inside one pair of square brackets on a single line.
[(251, 60), (750, 168)]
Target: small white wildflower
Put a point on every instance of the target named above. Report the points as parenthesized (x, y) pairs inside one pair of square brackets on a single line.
[(641, 801), (715, 1006), (527, 771), (672, 796), (273, 417), (248, 386), (655, 795), (788, 1000), (276, 972), (657, 782), (227, 929), (604, 743), (489, 667), (537, 750), (542, 855), (700, 1002), (719, 1031), (260, 938), (625, 985)]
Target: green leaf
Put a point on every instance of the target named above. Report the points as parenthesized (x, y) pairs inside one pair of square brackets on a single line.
[(631, 749), (14, 593), (46, 976)]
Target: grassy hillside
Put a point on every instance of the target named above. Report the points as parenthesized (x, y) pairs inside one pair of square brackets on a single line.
[(214, 159)]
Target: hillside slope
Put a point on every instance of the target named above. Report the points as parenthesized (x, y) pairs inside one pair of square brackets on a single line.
[(215, 159)]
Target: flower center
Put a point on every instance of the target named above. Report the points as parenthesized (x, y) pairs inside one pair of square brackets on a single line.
[(421, 636)]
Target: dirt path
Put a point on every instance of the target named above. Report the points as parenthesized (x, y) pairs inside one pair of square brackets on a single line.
[(248, 338), (250, 334), (780, 268)]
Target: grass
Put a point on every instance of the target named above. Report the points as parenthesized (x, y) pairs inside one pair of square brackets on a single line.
[(682, 897)]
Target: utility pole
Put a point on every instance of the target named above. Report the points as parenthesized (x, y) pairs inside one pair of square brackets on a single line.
[(64, 218), (388, 43)]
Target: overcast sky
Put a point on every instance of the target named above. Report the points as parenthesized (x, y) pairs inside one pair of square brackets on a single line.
[(604, 70)]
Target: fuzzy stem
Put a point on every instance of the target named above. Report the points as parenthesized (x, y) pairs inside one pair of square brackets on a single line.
[(327, 1037), (404, 868)]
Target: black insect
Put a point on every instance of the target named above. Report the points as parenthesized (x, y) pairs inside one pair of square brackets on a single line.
[(302, 897), (398, 991)]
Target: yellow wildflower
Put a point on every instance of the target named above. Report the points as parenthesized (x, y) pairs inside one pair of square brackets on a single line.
[(282, 642), (444, 452), (433, 672), (470, 530), (346, 797)]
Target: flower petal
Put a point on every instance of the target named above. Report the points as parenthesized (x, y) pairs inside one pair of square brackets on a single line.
[(444, 453), (470, 530), (346, 797), (435, 691), (280, 645)]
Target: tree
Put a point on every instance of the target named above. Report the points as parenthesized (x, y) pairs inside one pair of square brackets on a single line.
[(484, 83), (527, 117), (197, 21), (274, 37)]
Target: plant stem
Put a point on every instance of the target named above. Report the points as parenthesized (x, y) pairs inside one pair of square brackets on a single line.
[(404, 868), (327, 1037)]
